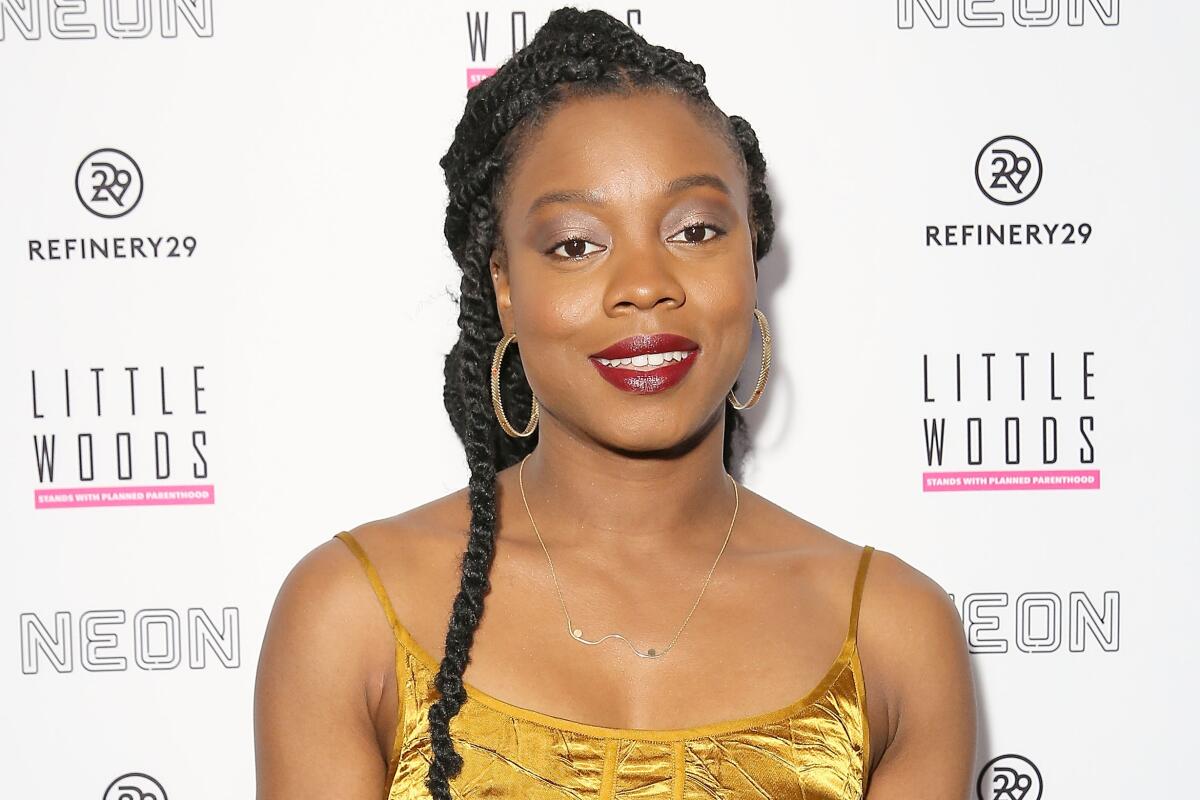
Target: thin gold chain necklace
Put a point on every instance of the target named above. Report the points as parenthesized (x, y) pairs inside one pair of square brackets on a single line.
[(576, 633)]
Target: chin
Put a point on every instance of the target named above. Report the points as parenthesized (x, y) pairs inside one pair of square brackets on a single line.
[(649, 438)]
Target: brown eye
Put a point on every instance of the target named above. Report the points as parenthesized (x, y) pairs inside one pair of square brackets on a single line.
[(695, 234), (575, 249)]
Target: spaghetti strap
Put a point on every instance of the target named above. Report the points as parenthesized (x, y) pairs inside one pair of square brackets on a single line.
[(376, 584), (373, 577), (856, 601)]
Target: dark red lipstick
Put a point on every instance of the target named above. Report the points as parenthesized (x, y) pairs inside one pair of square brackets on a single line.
[(673, 353)]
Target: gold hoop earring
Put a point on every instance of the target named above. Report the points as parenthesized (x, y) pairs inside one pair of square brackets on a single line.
[(500, 416), (763, 369)]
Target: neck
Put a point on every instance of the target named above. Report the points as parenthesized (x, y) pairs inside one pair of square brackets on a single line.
[(581, 491)]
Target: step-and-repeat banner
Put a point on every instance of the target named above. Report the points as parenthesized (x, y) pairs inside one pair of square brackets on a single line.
[(225, 299)]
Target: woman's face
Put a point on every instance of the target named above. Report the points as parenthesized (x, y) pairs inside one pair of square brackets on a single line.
[(627, 217)]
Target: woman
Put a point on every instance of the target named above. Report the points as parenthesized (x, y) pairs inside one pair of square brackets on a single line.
[(608, 219)]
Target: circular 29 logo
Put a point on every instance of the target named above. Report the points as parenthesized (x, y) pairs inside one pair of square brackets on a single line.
[(1009, 777), (109, 183), (1008, 170), (135, 786)]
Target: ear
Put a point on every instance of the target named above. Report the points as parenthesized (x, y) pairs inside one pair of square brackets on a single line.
[(499, 272)]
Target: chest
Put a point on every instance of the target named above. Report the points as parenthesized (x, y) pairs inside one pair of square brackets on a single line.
[(814, 748)]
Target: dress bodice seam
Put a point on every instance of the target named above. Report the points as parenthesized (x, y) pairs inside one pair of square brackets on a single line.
[(683, 734)]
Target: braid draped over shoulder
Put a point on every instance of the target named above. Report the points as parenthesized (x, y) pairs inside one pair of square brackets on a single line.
[(574, 53)]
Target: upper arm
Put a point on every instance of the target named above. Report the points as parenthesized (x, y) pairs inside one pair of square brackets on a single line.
[(931, 753), (313, 730)]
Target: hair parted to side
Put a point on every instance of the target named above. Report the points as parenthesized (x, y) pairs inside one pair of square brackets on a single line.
[(574, 53)]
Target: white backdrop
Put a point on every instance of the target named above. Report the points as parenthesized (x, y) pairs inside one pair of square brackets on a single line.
[(291, 149)]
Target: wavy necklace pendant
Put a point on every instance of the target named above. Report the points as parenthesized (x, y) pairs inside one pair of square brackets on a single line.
[(577, 635)]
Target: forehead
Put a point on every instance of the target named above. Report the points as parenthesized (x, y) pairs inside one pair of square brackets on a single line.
[(621, 148)]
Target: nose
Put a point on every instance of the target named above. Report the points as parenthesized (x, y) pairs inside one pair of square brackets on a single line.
[(640, 279)]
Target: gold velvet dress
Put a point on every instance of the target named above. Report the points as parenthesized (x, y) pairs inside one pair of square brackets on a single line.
[(815, 748)]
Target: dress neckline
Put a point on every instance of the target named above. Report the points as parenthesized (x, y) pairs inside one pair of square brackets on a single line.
[(845, 657)]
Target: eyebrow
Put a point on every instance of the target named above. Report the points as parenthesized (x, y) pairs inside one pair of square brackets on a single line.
[(593, 198)]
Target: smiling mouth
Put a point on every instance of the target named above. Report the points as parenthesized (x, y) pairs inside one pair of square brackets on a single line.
[(648, 362), (646, 378)]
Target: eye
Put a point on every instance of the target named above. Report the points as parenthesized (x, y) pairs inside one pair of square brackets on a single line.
[(572, 244), (699, 226)]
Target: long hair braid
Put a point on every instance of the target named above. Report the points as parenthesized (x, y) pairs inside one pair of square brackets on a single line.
[(574, 53)]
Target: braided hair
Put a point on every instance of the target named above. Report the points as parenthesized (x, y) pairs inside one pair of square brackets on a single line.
[(574, 53)]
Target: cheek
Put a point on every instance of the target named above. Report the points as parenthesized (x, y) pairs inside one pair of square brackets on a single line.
[(728, 302), (546, 311), (727, 297), (553, 324)]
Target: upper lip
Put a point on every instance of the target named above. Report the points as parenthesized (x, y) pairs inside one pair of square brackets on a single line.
[(646, 343)]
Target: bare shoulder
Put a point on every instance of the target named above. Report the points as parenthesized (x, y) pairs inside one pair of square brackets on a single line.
[(905, 594), (327, 598), (325, 617), (417, 552), (328, 648), (901, 607), (318, 681), (417, 557), (913, 647), (914, 654), (895, 591), (908, 616), (904, 613), (440, 517)]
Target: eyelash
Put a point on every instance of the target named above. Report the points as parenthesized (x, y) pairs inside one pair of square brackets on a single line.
[(719, 233)]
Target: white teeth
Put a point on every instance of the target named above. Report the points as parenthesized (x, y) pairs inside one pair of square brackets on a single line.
[(646, 359)]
